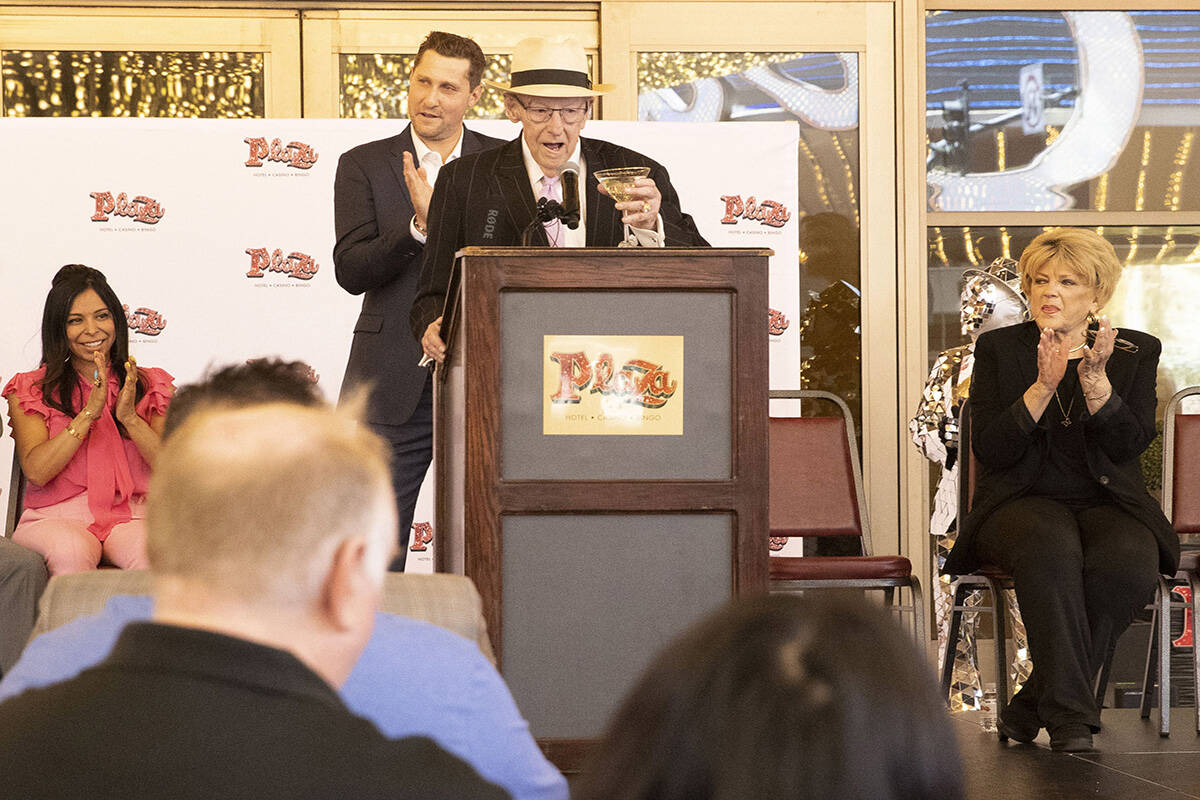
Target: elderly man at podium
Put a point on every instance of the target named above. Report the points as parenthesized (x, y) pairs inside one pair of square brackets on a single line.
[(546, 187)]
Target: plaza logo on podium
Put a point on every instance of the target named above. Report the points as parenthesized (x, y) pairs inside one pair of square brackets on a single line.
[(296, 155), (771, 213), (145, 321), (145, 210), (777, 323), (422, 536), (612, 385), (294, 265)]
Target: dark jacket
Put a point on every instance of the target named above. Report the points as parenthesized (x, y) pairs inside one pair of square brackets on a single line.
[(183, 713), (377, 257), (1011, 449), (487, 199)]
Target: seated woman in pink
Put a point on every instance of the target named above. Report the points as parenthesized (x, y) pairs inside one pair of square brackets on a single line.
[(87, 424)]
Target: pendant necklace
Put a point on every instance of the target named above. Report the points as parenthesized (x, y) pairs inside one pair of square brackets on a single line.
[(1066, 420)]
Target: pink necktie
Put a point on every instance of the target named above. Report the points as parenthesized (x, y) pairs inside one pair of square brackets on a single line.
[(552, 190)]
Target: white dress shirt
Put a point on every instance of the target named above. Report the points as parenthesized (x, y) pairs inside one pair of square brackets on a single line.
[(432, 161)]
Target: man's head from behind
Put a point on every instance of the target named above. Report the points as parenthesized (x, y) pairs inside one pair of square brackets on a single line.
[(251, 383), (444, 83), (275, 523)]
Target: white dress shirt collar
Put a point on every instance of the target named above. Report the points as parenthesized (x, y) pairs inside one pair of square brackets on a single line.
[(430, 159)]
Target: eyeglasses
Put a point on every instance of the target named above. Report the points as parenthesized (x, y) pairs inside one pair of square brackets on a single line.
[(569, 115)]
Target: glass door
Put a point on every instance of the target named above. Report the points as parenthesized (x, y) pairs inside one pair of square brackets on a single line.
[(830, 68)]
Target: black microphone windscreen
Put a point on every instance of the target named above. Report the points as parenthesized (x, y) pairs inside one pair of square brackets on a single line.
[(570, 187)]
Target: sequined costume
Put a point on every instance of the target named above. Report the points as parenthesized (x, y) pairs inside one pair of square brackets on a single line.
[(990, 299)]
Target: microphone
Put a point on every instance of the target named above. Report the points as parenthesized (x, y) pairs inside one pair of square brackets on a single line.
[(570, 186)]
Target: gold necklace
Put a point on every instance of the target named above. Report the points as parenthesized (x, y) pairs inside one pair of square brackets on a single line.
[(1066, 420)]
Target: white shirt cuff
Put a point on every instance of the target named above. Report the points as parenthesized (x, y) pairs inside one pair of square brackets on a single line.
[(647, 237), (412, 229)]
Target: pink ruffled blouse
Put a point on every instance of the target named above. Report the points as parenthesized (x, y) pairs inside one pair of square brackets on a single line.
[(110, 469)]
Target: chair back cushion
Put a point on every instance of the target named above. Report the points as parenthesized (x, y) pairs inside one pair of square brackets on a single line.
[(1185, 474), (448, 601), (812, 478)]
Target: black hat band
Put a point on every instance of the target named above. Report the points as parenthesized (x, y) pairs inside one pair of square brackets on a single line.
[(562, 77)]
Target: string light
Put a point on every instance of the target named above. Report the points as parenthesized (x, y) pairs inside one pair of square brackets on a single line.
[(1175, 183), (939, 247), (837, 145), (972, 255), (818, 173), (1139, 203)]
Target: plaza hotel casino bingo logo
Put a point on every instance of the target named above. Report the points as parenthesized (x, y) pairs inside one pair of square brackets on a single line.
[(749, 214), (125, 211), (273, 158), (613, 385)]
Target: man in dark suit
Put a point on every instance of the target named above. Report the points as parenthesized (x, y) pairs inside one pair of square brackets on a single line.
[(263, 601), (381, 203), (491, 198)]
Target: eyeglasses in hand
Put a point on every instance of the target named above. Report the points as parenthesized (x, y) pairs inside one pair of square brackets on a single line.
[(1118, 343)]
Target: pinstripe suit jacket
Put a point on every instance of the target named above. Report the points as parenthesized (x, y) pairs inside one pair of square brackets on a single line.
[(486, 199)]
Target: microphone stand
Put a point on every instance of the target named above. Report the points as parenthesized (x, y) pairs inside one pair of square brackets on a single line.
[(547, 211)]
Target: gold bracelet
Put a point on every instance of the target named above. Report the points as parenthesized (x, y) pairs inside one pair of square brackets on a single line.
[(1097, 397), (71, 430), (89, 414)]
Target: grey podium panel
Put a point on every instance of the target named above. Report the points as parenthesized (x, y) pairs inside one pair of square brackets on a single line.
[(590, 599), (703, 319)]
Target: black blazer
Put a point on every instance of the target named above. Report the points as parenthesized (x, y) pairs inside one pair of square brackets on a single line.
[(487, 200), (183, 713), (377, 257), (1010, 448)]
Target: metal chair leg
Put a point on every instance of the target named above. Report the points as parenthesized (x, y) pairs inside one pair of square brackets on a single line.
[(1000, 639), (1193, 584), (1105, 672), (957, 601), (1164, 658), (919, 621), (1149, 677)]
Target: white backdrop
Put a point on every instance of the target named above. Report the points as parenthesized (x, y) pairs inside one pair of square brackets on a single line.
[(199, 199)]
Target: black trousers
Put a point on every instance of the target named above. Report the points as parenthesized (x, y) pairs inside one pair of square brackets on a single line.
[(412, 451), (1080, 577)]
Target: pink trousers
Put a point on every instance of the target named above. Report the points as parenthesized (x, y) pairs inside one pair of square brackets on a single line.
[(60, 534)]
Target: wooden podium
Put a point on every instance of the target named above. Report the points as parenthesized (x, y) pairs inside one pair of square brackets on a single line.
[(601, 435)]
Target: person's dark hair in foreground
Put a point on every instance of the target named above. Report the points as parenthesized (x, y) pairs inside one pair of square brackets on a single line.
[(781, 697), (257, 381)]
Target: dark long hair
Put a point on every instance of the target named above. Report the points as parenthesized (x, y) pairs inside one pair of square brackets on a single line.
[(58, 386), (782, 697)]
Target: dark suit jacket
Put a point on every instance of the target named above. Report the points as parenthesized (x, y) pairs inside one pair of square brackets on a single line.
[(182, 713), (487, 200), (1010, 448), (377, 257)]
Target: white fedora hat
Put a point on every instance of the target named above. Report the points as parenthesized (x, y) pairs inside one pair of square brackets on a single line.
[(550, 67)]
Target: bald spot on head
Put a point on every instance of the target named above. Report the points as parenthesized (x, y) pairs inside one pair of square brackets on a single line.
[(253, 501)]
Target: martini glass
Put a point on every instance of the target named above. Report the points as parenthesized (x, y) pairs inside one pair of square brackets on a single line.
[(620, 180)]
